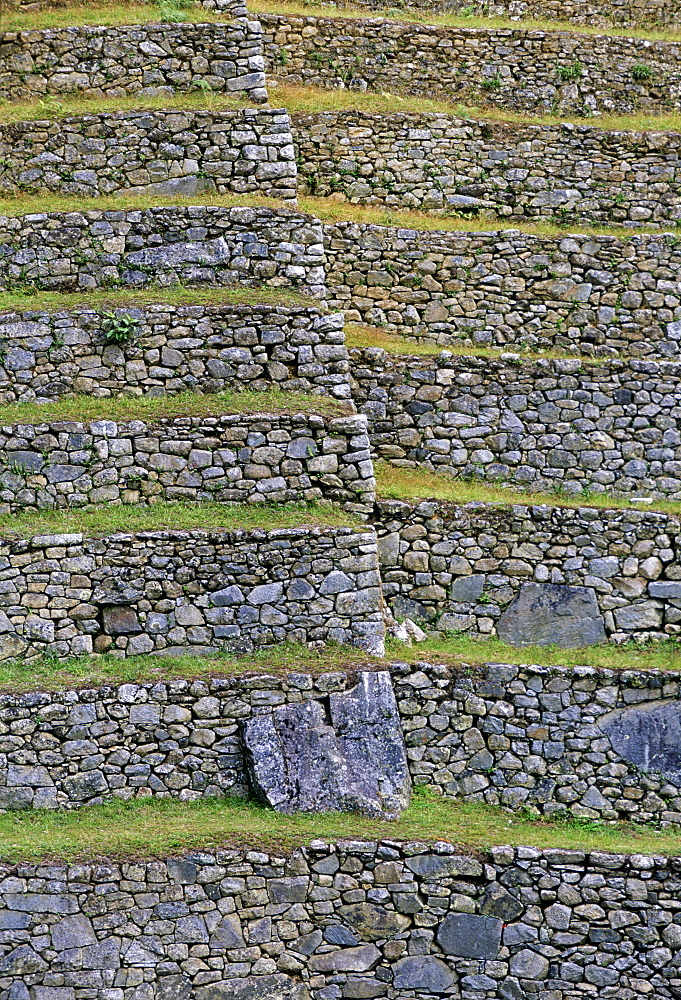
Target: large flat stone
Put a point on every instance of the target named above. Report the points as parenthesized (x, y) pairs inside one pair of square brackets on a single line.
[(548, 614), (300, 758), (275, 987), (424, 974), (648, 735), (469, 935)]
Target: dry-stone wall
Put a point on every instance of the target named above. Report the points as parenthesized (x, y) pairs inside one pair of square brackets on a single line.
[(437, 162), (154, 152), (583, 741), (188, 591), (256, 457), (356, 918), (579, 741), (145, 59), (493, 571), (559, 423), (591, 12), (588, 294), (77, 251), (46, 355), (510, 67)]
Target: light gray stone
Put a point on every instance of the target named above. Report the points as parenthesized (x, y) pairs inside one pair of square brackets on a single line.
[(552, 614)]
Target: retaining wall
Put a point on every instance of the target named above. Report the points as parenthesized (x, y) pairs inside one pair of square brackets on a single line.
[(438, 163), (154, 152), (253, 457), (537, 423), (188, 592), (509, 67), (591, 12), (77, 251), (588, 294), (145, 59), (463, 567), (392, 919), (173, 348), (599, 744)]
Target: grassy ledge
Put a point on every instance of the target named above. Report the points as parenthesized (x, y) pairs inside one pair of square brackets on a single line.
[(78, 13), (398, 483), (39, 204), (34, 299), (152, 829), (309, 8), (173, 516), (361, 335), (184, 404)]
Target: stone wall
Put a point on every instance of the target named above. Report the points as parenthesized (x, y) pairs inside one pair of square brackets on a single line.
[(46, 355), (255, 457), (542, 424), (438, 163), (509, 67), (154, 152), (174, 592), (587, 294), (484, 570), (598, 744), (389, 919), (145, 59), (77, 251), (591, 12)]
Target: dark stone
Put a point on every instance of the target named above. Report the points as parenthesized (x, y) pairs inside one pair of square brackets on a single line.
[(116, 592), (298, 760), (374, 922), (498, 903), (337, 934), (548, 614), (470, 936), (648, 735), (120, 621), (424, 973), (23, 961)]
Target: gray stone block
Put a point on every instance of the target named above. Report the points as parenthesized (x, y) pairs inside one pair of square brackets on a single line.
[(469, 935), (552, 614)]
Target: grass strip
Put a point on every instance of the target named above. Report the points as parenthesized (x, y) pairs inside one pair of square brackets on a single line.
[(34, 299), (174, 516), (310, 8), (184, 404), (362, 335), (150, 829), (32, 204), (103, 14), (399, 483)]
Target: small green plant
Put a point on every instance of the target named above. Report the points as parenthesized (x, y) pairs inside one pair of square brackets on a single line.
[(573, 71), (119, 328), (492, 83), (282, 57), (641, 71)]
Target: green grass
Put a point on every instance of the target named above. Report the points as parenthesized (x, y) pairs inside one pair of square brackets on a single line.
[(174, 516), (102, 13), (362, 335), (30, 299), (156, 828), (152, 408), (29, 204), (401, 483), (315, 100), (309, 8)]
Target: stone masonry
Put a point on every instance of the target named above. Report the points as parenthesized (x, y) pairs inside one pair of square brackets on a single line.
[(254, 457), (541, 423), (178, 592), (77, 251), (588, 294), (440, 163), (544, 738), (46, 355), (144, 59), (162, 153), (460, 568), (514, 68), (339, 920)]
